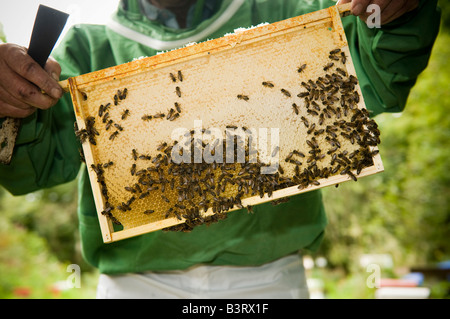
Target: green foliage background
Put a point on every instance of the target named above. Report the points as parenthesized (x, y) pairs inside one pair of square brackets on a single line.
[(404, 211)]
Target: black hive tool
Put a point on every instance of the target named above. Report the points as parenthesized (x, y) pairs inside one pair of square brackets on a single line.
[(47, 28)]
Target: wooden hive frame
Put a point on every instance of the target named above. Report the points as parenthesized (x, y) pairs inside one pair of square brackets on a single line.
[(233, 65)]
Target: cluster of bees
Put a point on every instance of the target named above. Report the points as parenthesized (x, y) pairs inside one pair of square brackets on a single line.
[(88, 133), (330, 117)]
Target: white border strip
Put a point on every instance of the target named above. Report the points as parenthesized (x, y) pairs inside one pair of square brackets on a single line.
[(167, 45)]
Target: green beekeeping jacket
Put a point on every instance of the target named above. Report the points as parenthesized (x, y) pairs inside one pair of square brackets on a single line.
[(387, 62)]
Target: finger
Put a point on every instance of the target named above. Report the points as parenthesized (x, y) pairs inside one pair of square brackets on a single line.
[(53, 68), (359, 7), (383, 4), (393, 10), (11, 111), (7, 98), (25, 92), (25, 66)]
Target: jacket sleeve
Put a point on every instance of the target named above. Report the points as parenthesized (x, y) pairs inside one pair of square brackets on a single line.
[(389, 59), (46, 151)]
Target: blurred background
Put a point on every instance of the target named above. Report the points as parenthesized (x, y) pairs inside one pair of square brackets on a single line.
[(388, 234)]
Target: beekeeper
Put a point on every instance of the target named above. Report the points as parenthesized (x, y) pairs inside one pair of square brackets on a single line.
[(247, 255)]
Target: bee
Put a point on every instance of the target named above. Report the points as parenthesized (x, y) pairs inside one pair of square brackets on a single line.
[(242, 97), (84, 96), (119, 95), (328, 66), (169, 211), (113, 135), (177, 107), (312, 112), (306, 86), (338, 112), (303, 94), (310, 144), (175, 116), (180, 76), (345, 170), (350, 173), (100, 110), (301, 68), (315, 106), (342, 72), (288, 158), (165, 198), (268, 84), (275, 151), (122, 95), (146, 117), (140, 172), (125, 114), (336, 169), (120, 128), (130, 189), (90, 121), (333, 57), (159, 115), (343, 58), (170, 114), (145, 157), (295, 152), (82, 134), (335, 51), (110, 163), (105, 116), (321, 85), (295, 107), (97, 169), (82, 158), (311, 128), (106, 107), (249, 208), (149, 211), (162, 146), (134, 153), (108, 125), (133, 169), (305, 121), (143, 195), (172, 77), (353, 154), (285, 92), (178, 91), (325, 112), (321, 118), (116, 99), (353, 79), (318, 132)]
